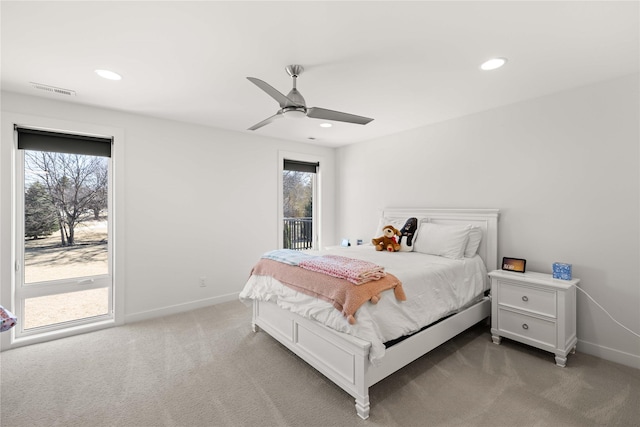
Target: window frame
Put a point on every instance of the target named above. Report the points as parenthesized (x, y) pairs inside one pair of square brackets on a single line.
[(11, 206), (317, 202)]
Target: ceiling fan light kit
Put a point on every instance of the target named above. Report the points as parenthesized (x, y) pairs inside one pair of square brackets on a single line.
[(294, 112), (293, 104)]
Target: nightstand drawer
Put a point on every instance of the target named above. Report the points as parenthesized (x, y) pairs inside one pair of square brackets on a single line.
[(531, 328), (526, 298)]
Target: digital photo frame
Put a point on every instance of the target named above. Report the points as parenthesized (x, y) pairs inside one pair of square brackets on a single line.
[(517, 265)]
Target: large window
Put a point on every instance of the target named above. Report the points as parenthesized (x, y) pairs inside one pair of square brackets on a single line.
[(299, 203), (63, 247)]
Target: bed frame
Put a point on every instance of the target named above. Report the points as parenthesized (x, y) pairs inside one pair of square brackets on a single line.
[(343, 358)]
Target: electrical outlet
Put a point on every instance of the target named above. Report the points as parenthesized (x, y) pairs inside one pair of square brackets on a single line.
[(203, 282)]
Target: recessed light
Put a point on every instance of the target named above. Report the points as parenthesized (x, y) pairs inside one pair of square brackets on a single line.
[(325, 125), (110, 75), (494, 63)]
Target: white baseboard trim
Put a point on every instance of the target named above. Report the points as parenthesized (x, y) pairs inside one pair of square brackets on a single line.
[(610, 354), (56, 334), (180, 308)]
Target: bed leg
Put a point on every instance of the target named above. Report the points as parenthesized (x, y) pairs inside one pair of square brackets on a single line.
[(256, 310), (362, 407)]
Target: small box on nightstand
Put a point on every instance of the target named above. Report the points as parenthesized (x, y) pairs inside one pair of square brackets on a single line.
[(561, 271)]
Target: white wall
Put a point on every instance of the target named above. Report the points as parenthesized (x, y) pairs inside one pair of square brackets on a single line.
[(199, 202), (562, 169)]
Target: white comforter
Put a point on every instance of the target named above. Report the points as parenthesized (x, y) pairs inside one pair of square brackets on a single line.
[(435, 287)]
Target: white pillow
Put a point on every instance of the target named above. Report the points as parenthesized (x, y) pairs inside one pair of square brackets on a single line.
[(399, 224), (475, 236), (449, 241)]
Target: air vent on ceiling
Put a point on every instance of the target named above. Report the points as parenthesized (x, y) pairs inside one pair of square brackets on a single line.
[(53, 89)]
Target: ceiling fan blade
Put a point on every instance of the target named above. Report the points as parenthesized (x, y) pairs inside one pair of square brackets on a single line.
[(324, 114), (272, 92), (266, 121)]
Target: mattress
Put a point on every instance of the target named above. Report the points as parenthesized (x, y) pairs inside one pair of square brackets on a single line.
[(435, 287)]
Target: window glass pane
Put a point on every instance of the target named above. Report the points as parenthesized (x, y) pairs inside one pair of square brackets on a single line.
[(298, 209), (53, 309), (66, 215)]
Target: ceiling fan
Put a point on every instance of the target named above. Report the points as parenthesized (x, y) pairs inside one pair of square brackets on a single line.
[(293, 105)]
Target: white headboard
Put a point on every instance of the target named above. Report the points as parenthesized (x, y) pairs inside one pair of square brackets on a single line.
[(486, 219)]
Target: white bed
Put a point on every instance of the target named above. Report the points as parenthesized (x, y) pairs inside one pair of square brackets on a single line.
[(354, 356)]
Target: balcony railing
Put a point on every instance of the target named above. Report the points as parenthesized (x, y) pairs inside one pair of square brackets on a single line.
[(298, 233)]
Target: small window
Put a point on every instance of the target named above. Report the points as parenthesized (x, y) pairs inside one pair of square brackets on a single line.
[(299, 181)]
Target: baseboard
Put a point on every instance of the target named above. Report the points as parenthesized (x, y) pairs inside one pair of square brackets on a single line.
[(12, 342), (180, 308), (610, 354)]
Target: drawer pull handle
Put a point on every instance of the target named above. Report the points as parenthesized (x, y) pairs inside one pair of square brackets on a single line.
[(525, 326), (525, 298)]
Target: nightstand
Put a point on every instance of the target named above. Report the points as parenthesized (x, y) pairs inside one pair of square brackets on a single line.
[(534, 309)]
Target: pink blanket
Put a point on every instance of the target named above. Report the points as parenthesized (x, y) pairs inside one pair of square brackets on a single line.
[(344, 296), (355, 271)]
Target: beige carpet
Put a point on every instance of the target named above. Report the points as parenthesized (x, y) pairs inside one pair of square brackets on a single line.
[(207, 368)]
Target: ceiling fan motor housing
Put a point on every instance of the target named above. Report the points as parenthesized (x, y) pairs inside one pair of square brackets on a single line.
[(296, 97)]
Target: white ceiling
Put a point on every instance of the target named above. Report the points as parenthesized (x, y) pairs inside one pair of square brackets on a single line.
[(405, 64)]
